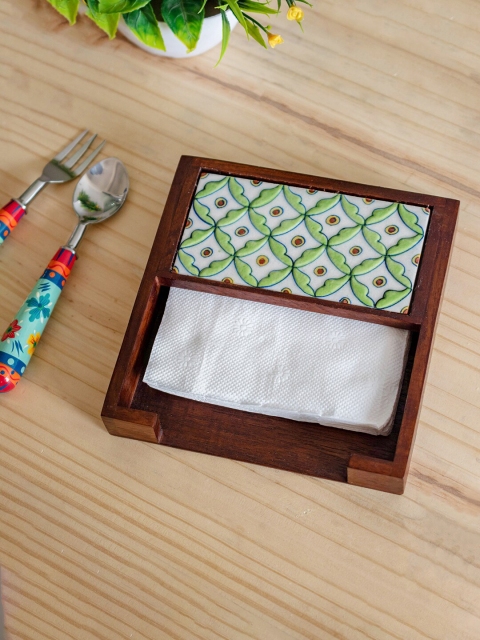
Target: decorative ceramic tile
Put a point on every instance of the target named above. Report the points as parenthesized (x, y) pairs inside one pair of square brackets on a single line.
[(315, 243)]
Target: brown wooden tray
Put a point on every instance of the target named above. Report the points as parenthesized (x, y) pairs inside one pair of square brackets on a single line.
[(133, 409)]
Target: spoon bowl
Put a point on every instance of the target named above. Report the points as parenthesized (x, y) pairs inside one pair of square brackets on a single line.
[(98, 195)]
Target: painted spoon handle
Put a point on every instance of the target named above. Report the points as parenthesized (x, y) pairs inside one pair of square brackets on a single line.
[(10, 216), (18, 342)]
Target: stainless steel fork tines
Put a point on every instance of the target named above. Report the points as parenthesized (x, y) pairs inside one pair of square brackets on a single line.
[(62, 168)]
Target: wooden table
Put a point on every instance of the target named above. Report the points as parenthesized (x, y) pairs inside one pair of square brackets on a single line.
[(105, 538)]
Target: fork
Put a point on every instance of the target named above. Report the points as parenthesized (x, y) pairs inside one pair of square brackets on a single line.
[(58, 170)]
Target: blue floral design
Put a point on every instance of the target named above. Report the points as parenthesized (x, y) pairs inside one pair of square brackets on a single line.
[(38, 308)]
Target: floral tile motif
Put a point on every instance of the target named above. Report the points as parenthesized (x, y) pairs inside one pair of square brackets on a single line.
[(303, 241)]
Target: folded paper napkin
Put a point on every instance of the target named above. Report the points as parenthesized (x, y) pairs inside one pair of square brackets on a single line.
[(278, 361)]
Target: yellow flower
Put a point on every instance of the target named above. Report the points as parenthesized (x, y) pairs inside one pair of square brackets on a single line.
[(295, 13), (274, 39), (33, 340)]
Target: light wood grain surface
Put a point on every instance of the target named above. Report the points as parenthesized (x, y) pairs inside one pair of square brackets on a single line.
[(104, 538)]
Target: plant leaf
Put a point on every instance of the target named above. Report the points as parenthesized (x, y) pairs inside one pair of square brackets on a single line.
[(256, 7), (330, 286), (323, 205), (237, 12), (215, 267), (280, 251), (106, 22), (184, 20), (274, 277), (144, 24), (120, 6), (294, 200), (68, 8), (251, 246), (245, 272), (361, 292), (266, 196), (308, 256), (188, 262), (303, 281), (211, 187), (197, 236)]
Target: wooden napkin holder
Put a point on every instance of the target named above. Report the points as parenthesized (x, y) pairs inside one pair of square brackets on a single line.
[(134, 410)]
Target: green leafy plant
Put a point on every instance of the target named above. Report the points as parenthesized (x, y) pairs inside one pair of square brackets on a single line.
[(184, 17)]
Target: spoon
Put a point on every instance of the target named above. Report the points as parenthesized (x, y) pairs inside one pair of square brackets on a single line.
[(99, 194)]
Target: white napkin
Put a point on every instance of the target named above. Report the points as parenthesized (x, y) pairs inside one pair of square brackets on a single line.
[(278, 361)]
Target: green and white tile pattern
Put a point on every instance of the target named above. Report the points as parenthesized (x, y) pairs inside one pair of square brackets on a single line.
[(315, 243)]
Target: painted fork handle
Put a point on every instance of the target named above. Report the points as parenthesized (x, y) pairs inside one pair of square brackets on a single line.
[(10, 216), (21, 337)]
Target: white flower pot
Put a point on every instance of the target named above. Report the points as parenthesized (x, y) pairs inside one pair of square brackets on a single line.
[(210, 36)]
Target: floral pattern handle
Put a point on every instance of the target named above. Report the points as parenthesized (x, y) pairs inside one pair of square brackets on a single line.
[(10, 216), (23, 334)]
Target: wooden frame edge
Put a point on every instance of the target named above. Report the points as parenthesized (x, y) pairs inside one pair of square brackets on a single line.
[(132, 423), (369, 479)]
